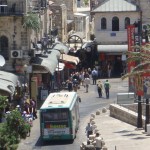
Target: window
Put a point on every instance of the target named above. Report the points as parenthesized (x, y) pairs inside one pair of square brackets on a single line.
[(4, 47), (115, 24), (126, 22), (103, 23)]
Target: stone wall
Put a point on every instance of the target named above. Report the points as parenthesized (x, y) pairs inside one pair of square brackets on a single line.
[(124, 114), (134, 107)]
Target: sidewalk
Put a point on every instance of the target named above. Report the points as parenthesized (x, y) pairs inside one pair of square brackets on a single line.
[(119, 135)]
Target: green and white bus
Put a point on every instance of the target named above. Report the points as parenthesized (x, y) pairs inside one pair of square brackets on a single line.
[(59, 116)]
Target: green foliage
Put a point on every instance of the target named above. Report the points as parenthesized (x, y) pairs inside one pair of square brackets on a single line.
[(11, 131), (3, 104), (32, 21), (142, 60)]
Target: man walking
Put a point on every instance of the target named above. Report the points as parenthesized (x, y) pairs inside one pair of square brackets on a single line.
[(94, 76), (99, 88), (107, 87), (89, 129)]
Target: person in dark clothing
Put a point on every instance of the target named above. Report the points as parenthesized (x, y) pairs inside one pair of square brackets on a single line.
[(107, 87), (94, 76), (33, 108), (70, 84)]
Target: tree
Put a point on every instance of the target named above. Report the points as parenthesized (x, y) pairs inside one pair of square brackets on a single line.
[(142, 60), (3, 104), (32, 21)]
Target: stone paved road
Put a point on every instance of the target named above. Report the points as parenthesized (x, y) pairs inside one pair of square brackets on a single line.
[(90, 103)]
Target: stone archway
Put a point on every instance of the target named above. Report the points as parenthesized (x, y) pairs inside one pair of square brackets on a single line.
[(4, 47), (75, 42)]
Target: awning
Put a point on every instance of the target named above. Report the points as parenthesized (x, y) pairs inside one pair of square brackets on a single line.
[(69, 58), (60, 66), (60, 47), (10, 77), (112, 48), (8, 82), (7, 86), (46, 64)]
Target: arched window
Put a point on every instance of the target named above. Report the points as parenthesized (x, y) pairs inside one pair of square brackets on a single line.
[(115, 24), (103, 23), (3, 2), (126, 22), (4, 47)]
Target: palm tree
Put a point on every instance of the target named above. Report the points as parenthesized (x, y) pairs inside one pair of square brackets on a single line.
[(142, 60)]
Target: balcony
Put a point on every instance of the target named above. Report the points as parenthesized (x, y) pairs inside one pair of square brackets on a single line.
[(14, 8)]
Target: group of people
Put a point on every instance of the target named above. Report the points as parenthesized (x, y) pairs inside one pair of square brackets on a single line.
[(82, 78), (97, 139), (78, 79), (101, 87)]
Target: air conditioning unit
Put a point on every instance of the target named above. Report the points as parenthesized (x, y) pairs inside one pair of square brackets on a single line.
[(16, 54)]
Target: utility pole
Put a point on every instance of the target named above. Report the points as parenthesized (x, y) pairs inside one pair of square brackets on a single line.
[(139, 117)]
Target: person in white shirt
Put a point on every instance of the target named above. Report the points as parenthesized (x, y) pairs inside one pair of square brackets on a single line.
[(89, 129), (98, 141)]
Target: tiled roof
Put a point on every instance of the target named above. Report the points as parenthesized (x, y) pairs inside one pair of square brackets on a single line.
[(116, 5)]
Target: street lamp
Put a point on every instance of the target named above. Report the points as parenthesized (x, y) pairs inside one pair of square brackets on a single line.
[(25, 73)]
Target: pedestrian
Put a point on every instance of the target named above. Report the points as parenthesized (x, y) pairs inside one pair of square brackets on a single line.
[(94, 76), (107, 87), (109, 71), (86, 84), (75, 85), (98, 141), (33, 106), (99, 88), (81, 77), (70, 84), (89, 129)]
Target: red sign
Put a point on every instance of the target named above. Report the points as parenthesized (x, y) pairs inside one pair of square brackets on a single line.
[(130, 34)]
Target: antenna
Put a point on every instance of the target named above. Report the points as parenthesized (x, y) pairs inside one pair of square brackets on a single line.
[(2, 61)]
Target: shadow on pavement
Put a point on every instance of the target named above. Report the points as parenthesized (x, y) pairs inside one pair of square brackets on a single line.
[(122, 131), (40, 143)]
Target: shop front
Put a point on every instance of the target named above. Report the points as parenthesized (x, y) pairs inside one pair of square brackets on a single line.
[(112, 60)]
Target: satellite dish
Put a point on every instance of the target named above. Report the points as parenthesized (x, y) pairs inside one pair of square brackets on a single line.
[(2, 61)]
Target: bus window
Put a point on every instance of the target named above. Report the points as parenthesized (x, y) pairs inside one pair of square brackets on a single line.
[(55, 117)]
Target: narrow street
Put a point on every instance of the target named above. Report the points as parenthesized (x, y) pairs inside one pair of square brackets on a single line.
[(89, 103)]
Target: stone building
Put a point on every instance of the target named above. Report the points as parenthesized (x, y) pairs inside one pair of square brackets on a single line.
[(71, 7), (59, 20), (110, 29)]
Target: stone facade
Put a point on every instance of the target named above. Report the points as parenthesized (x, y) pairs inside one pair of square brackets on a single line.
[(71, 7), (104, 36), (59, 17), (16, 37)]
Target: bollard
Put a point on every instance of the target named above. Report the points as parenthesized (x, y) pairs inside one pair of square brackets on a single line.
[(92, 122), (91, 137), (103, 143), (91, 119), (104, 110), (96, 131), (94, 126), (89, 147), (97, 112), (92, 115)]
